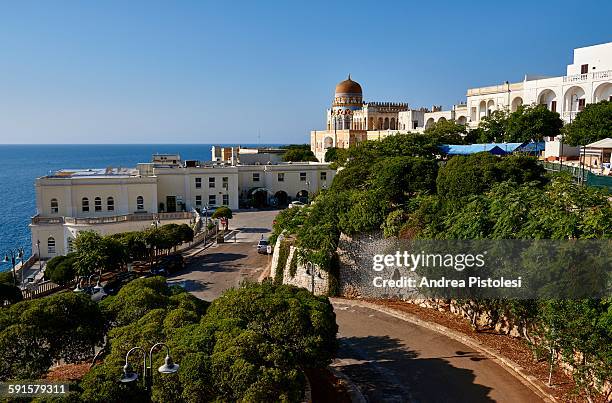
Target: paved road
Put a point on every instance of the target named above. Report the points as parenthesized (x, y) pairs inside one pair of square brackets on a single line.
[(220, 267), (394, 361)]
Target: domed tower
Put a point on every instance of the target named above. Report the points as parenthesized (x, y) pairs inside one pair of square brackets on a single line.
[(348, 97)]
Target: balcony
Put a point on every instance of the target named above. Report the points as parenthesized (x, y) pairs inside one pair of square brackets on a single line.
[(578, 78), (38, 220)]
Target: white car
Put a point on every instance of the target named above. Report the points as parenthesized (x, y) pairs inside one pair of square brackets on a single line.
[(262, 247), (296, 204)]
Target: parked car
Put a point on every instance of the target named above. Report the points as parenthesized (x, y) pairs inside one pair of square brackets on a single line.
[(296, 204), (262, 247), (168, 265)]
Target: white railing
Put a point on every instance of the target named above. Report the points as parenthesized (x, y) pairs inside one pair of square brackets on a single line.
[(181, 215), (586, 76)]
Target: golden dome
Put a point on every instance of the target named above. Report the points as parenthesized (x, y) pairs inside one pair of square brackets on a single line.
[(348, 86)]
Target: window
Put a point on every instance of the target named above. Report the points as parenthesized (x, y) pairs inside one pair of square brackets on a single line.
[(140, 203), (212, 200), (198, 200), (255, 176), (415, 124), (553, 106), (110, 204), (323, 176), (581, 103), (198, 183), (98, 204), (303, 176), (281, 177), (85, 204), (225, 182), (51, 245), (584, 69), (54, 206), (211, 182), (225, 200)]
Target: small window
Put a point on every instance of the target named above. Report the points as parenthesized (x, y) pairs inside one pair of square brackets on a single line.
[(110, 204), (281, 177), (225, 200), (584, 69), (98, 204), (198, 200), (51, 245), (211, 182), (553, 106), (303, 176), (225, 182), (54, 206), (323, 176), (198, 183), (85, 204), (140, 203), (256, 177), (581, 104), (212, 200)]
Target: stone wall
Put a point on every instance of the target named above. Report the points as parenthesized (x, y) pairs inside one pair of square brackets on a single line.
[(305, 277)]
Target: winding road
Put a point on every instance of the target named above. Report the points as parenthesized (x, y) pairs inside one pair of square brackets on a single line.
[(388, 359)]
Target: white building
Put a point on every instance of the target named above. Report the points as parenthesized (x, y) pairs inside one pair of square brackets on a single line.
[(588, 80), (350, 120), (166, 190)]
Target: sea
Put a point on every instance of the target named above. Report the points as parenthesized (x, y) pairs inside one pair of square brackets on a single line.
[(20, 165)]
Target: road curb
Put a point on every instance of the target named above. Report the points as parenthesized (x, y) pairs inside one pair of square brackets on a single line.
[(513, 368)]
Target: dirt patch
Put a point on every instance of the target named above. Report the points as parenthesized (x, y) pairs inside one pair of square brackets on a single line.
[(68, 372)]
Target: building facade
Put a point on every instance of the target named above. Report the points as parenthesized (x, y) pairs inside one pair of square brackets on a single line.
[(350, 120), (166, 190)]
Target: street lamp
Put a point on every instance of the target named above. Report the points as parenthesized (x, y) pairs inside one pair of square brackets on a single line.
[(310, 269), (12, 255), (129, 375)]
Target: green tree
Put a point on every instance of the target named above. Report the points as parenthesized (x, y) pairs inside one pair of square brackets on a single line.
[(447, 132), (334, 154), (60, 269), (591, 124), (494, 126), (223, 212), (299, 153), (532, 123), (396, 178)]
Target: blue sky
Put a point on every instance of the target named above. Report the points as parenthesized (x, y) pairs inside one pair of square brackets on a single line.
[(211, 72)]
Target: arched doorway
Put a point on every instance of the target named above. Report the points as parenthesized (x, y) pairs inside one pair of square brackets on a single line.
[(548, 98), (258, 197), (603, 93), (430, 123), (302, 196), (380, 124), (490, 107), (282, 198), (516, 102), (442, 119), (462, 120), (482, 109), (574, 101)]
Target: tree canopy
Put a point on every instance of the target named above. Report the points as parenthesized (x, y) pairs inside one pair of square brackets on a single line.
[(591, 124), (298, 153)]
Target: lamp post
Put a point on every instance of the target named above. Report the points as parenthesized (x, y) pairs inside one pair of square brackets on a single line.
[(129, 375), (310, 269), (12, 255)]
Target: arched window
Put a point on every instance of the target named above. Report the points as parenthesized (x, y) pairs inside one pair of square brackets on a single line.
[(140, 203), (51, 245), (110, 204), (54, 206), (98, 204), (85, 204)]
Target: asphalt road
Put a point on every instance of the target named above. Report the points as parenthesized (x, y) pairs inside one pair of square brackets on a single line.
[(217, 268), (391, 360)]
